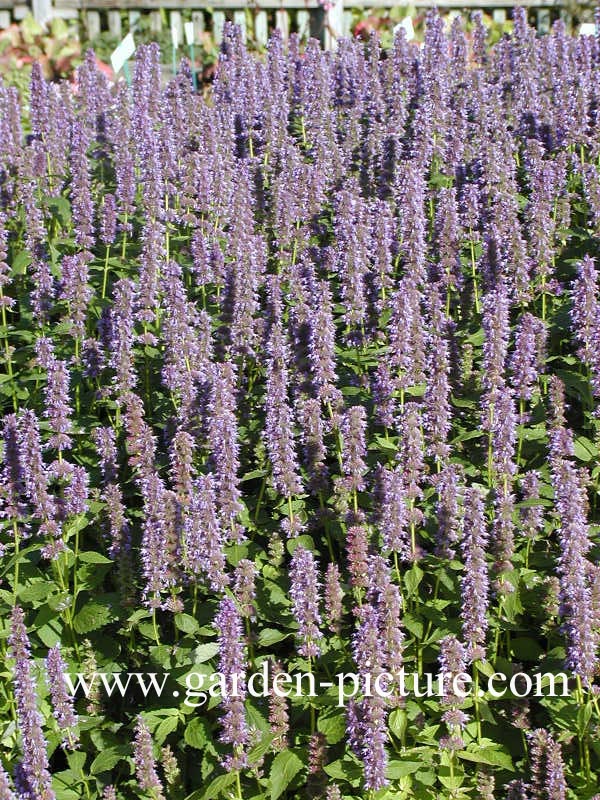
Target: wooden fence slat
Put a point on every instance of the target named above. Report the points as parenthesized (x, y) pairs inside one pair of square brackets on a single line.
[(65, 13), (218, 19), (155, 21), (567, 19), (134, 18), (282, 22), (41, 10), (20, 11), (303, 23), (239, 18), (543, 20), (499, 15), (92, 24), (198, 20), (347, 24), (4, 19), (334, 26), (114, 24), (176, 25), (261, 28)]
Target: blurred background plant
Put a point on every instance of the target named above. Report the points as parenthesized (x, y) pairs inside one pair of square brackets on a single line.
[(60, 45), (56, 47)]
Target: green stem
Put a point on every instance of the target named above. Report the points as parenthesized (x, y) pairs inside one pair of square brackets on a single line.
[(105, 276)]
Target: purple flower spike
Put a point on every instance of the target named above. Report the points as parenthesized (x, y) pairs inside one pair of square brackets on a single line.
[(304, 592), (35, 779)]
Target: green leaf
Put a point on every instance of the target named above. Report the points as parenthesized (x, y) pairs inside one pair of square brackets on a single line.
[(398, 722), (585, 450), (20, 263), (36, 591), (91, 557), (91, 617), (346, 769), (285, 767), (413, 578), (196, 733), (186, 623), (166, 727), (107, 759), (76, 761), (258, 752), (488, 755), (204, 652), (215, 788), (333, 727), (398, 769), (269, 636)]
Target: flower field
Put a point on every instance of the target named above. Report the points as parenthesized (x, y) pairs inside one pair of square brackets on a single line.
[(302, 377)]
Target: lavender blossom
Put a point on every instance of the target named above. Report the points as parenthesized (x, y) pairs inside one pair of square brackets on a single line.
[(393, 513), (575, 594), (304, 591), (144, 762), (547, 768), (104, 439), (333, 598), (279, 720), (357, 551), (57, 409), (279, 434), (321, 345), (108, 226), (354, 467), (532, 516), (244, 588), (224, 446), (311, 437), (157, 559), (62, 701), (11, 473), (383, 388), (448, 507), (232, 665), (367, 727), (475, 583), (527, 361), (35, 476), (75, 290), (35, 779), (6, 793)]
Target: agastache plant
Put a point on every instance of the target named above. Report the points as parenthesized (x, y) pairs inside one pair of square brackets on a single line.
[(300, 374)]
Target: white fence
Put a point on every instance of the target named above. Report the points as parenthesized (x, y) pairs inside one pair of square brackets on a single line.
[(257, 19)]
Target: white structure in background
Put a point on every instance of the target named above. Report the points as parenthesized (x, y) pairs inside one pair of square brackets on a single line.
[(407, 25), (122, 53)]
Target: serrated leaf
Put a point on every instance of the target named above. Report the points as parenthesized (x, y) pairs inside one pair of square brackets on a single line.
[(91, 557), (204, 652), (333, 727), (269, 636), (585, 450), (286, 765), (488, 755), (215, 788), (91, 617), (398, 769), (196, 733), (108, 759), (166, 727), (186, 623)]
